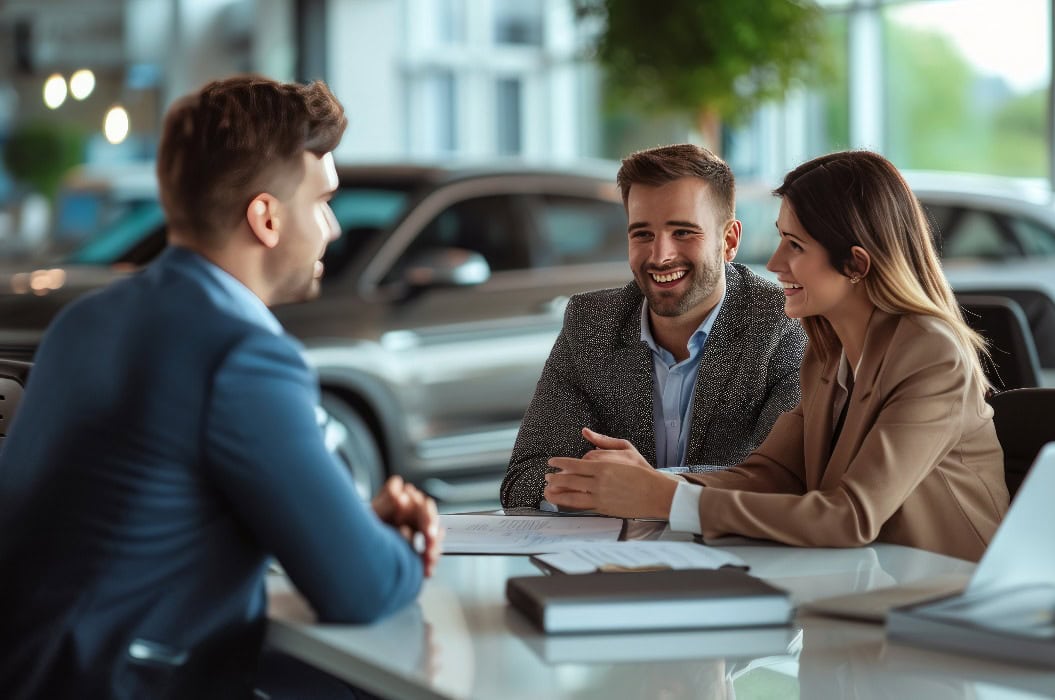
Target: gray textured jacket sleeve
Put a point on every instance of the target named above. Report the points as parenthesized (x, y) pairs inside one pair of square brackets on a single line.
[(552, 426)]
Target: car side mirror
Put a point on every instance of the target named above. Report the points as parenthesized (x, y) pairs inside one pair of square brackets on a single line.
[(446, 267)]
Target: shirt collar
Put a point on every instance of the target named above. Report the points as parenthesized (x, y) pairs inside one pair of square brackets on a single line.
[(696, 341), (250, 306), (843, 376)]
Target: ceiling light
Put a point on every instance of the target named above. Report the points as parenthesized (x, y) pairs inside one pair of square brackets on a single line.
[(115, 125), (54, 91), (82, 83)]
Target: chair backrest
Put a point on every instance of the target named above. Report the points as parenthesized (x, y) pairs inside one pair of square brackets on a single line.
[(1040, 314), (1013, 362), (13, 375), (1025, 422)]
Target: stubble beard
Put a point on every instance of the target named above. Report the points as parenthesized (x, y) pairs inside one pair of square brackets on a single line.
[(704, 280)]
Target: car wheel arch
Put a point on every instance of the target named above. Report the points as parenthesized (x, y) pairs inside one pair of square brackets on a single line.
[(377, 407)]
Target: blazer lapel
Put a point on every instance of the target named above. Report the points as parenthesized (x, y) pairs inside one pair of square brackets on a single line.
[(721, 354), (634, 359), (859, 416), (817, 437)]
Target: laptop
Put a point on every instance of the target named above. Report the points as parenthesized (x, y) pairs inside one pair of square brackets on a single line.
[(1010, 560)]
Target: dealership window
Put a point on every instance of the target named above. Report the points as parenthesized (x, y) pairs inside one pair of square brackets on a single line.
[(509, 116), (966, 85)]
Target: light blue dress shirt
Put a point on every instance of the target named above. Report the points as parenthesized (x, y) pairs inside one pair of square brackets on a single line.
[(248, 304), (673, 388)]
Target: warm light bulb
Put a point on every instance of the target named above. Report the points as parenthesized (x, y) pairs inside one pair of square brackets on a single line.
[(115, 126), (82, 83), (54, 91)]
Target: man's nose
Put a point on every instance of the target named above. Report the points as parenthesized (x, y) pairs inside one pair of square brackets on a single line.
[(664, 249)]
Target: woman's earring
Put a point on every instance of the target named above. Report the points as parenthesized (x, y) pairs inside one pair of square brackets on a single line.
[(855, 279)]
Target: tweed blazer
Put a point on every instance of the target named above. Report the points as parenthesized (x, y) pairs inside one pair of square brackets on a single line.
[(600, 375), (917, 461)]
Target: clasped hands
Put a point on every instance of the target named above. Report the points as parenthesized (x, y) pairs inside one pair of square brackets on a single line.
[(613, 479), (414, 514)]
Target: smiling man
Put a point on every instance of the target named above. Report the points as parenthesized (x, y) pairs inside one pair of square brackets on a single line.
[(167, 446), (691, 363)]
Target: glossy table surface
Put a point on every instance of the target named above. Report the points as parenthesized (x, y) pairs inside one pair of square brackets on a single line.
[(462, 640)]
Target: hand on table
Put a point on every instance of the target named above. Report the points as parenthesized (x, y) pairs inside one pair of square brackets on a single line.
[(410, 511), (613, 479)]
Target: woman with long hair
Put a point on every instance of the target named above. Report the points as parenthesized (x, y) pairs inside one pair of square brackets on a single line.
[(893, 440)]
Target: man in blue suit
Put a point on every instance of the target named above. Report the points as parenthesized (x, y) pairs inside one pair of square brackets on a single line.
[(167, 444)]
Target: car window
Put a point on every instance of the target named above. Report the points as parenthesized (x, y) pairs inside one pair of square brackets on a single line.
[(758, 236), (485, 225), (575, 230), (367, 208), (939, 216), (976, 234), (136, 223), (362, 213), (1034, 238)]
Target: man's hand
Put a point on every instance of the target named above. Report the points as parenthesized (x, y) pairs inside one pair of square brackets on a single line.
[(619, 488), (610, 449), (407, 509)]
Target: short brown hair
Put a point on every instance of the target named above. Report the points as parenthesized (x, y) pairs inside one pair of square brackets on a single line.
[(658, 166), (235, 138)]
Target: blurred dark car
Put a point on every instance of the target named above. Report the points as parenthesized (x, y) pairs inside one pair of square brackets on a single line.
[(440, 303)]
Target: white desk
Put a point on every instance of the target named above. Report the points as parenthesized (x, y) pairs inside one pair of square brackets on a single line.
[(462, 640)]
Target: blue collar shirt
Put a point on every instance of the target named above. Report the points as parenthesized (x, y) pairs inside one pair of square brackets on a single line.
[(238, 298), (673, 386)]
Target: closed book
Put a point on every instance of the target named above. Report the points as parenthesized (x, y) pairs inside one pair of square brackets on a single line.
[(649, 600), (670, 645), (1015, 624)]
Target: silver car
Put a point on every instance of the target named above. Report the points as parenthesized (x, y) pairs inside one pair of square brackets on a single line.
[(440, 303)]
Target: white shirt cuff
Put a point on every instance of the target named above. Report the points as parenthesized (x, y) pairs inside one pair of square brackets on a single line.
[(685, 508)]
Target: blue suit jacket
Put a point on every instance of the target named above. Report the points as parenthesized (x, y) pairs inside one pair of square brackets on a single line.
[(166, 446)]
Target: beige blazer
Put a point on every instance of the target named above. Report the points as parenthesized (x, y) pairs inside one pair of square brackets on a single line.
[(917, 462)]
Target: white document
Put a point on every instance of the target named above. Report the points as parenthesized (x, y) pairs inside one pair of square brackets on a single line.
[(638, 556), (513, 534)]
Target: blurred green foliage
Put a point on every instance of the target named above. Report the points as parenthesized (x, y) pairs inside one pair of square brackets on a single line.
[(723, 57), (942, 114), (38, 154)]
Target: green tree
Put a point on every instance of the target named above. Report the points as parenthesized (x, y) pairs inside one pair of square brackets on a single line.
[(930, 119), (712, 59), (40, 153)]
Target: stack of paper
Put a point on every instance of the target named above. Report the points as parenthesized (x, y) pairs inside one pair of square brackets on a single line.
[(511, 534)]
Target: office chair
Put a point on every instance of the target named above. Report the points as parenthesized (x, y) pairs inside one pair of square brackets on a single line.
[(1039, 309), (1013, 361), (1024, 423), (13, 375)]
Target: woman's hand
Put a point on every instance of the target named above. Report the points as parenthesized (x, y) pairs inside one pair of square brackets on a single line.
[(623, 486)]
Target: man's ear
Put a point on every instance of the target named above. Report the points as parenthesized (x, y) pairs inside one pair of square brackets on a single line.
[(860, 263), (731, 239), (262, 216)]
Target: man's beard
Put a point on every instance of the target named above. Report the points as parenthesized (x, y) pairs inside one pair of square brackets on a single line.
[(703, 280)]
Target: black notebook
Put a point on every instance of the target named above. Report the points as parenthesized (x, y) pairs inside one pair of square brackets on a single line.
[(649, 600)]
